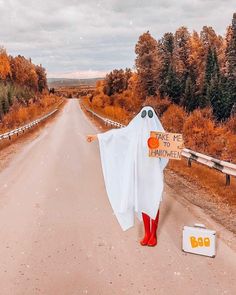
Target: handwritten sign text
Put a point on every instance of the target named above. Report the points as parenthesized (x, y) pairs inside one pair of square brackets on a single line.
[(170, 145)]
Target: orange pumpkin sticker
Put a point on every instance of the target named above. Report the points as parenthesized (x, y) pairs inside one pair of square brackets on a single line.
[(153, 143)]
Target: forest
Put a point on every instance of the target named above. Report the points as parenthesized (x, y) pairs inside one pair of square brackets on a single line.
[(190, 80), (23, 90)]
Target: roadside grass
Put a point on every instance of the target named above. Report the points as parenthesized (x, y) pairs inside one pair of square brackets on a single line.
[(211, 180)]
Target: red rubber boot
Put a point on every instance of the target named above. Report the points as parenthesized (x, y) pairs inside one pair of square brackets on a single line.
[(146, 223), (153, 238)]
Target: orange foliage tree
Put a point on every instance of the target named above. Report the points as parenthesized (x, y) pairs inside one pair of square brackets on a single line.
[(24, 72), (5, 68)]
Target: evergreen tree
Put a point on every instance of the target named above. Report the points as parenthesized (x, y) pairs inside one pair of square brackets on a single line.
[(230, 56), (233, 110), (9, 97), (215, 97), (42, 78), (189, 100), (5, 105), (168, 82), (212, 68), (172, 84), (165, 51), (211, 80), (1, 109), (215, 87), (226, 96), (181, 56)]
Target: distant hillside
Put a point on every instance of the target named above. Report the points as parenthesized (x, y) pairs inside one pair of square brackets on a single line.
[(59, 82), (21, 83)]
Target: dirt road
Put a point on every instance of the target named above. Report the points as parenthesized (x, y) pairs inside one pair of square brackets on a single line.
[(59, 236)]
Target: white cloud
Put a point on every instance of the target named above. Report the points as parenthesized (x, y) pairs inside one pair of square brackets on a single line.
[(70, 36)]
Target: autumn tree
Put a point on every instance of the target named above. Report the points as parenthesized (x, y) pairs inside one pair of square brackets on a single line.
[(18, 73), (24, 72), (209, 38), (32, 78), (197, 67), (20, 82), (42, 78), (5, 69), (146, 64), (181, 56), (127, 76), (117, 81)]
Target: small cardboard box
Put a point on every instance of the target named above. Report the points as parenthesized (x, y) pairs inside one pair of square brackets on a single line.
[(199, 240)]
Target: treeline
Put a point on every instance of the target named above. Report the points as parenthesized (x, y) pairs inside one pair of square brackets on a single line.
[(20, 81), (117, 81), (190, 80), (191, 70)]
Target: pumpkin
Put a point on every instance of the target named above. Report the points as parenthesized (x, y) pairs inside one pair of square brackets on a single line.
[(153, 143)]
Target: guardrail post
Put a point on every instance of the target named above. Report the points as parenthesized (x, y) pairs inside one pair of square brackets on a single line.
[(227, 179), (189, 162)]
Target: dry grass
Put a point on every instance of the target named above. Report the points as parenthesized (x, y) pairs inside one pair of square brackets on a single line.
[(211, 180)]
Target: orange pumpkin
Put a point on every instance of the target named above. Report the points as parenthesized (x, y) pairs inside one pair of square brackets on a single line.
[(153, 143)]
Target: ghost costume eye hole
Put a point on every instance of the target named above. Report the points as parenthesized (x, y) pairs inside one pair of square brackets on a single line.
[(144, 113), (150, 113)]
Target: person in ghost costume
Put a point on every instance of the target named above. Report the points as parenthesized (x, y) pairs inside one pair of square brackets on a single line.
[(133, 180)]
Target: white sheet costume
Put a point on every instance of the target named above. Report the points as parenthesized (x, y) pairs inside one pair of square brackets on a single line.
[(133, 180)]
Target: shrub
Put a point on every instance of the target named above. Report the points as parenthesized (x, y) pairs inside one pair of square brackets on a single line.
[(173, 119), (198, 131), (231, 124)]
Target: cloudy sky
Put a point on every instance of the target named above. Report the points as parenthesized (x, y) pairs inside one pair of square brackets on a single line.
[(86, 38)]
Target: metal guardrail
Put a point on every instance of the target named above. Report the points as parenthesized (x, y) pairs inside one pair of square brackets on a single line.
[(22, 129), (229, 169), (105, 120)]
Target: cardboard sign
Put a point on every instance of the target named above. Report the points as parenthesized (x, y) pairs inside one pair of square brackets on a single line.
[(199, 240), (170, 145)]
